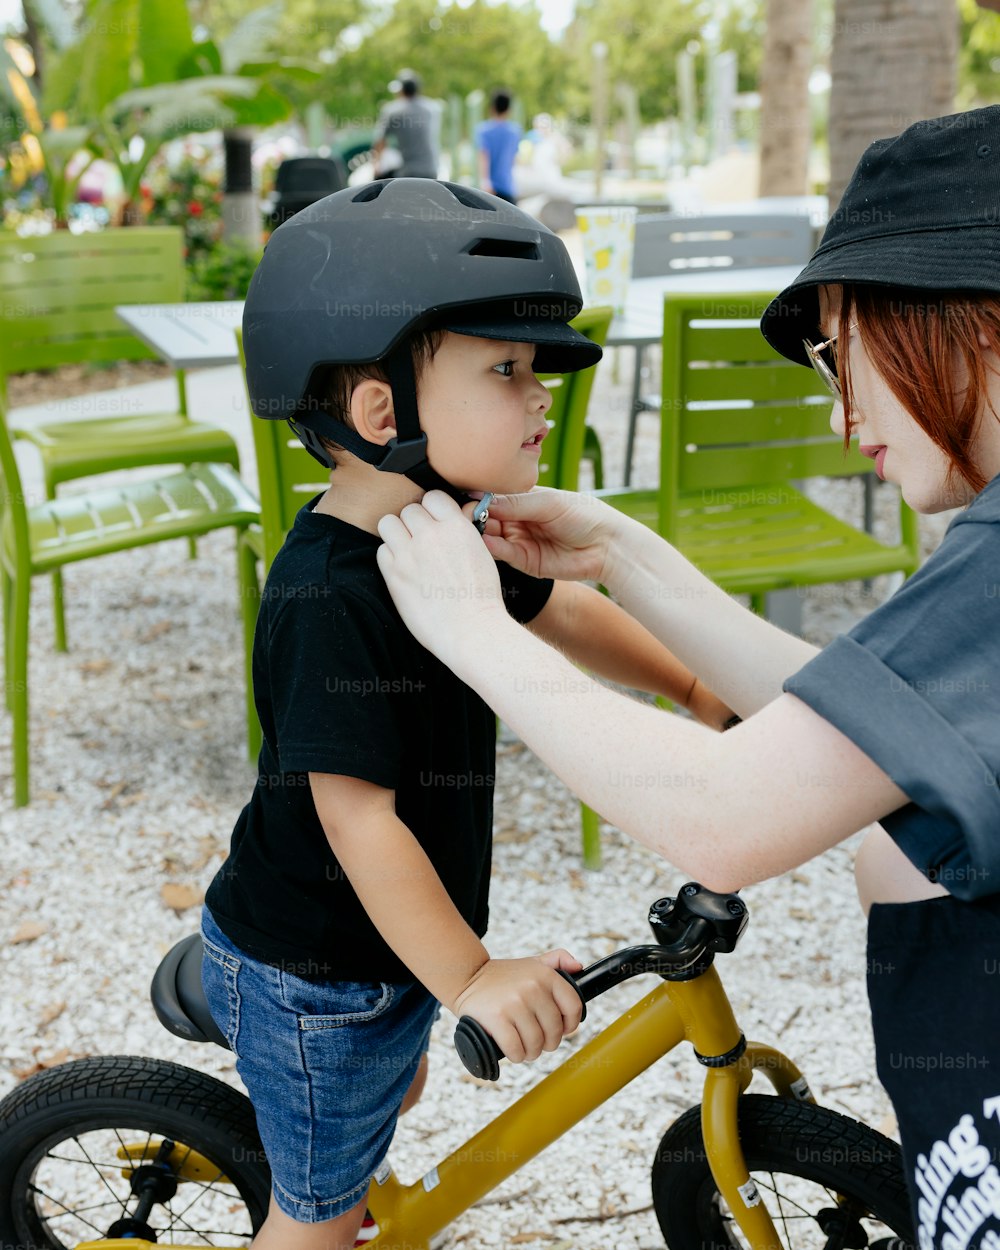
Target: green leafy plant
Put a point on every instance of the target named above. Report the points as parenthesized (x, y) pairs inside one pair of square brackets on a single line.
[(133, 77), (188, 194), (222, 271)]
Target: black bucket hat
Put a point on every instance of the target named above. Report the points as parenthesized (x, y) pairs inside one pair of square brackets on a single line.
[(922, 210)]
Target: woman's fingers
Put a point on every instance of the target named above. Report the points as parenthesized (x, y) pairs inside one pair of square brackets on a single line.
[(439, 505), (391, 527)]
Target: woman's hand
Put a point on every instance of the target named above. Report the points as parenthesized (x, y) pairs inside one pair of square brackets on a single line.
[(439, 573), (551, 533)]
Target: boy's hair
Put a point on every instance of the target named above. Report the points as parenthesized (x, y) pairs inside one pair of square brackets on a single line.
[(338, 383), (500, 101), (925, 345)]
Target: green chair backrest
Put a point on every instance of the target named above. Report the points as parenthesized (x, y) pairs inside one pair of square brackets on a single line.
[(736, 415), (13, 510), (562, 449), (58, 293), (288, 476)]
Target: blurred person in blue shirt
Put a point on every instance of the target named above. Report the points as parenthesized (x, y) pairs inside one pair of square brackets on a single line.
[(497, 141)]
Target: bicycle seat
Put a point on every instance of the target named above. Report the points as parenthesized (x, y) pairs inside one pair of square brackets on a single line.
[(178, 998)]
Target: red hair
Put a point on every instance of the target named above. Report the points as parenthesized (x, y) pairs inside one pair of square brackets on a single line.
[(925, 345)]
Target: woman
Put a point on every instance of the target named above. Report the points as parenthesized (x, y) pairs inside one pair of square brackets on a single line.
[(896, 722)]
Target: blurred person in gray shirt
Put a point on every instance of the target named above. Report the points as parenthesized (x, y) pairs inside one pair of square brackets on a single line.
[(411, 126)]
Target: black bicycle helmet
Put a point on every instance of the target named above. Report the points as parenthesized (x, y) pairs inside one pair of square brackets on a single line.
[(351, 278)]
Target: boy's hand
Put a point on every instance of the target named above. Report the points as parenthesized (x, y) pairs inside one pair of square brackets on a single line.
[(523, 1004)]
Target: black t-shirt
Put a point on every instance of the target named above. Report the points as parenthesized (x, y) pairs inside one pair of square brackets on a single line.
[(341, 686)]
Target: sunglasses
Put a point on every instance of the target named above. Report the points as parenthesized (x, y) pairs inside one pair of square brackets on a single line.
[(827, 370)]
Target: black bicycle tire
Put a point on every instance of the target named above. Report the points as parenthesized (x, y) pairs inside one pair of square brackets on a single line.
[(777, 1135), (124, 1092)]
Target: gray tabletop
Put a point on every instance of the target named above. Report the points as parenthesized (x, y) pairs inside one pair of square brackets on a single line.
[(187, 336)]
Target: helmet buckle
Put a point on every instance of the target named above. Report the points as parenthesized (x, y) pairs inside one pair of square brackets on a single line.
[(403, 454)]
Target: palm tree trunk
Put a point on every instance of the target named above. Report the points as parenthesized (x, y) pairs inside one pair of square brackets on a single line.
[(894, 62), (241, 217), (785, 128)]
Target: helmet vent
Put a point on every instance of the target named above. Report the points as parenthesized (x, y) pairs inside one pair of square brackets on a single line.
[(471, 198), (371, 192), (505, 247)]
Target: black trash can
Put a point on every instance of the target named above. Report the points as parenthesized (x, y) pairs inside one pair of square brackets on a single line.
[(301, 181)]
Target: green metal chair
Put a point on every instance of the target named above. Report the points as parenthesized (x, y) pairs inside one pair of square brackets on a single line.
[(741, 427), (288, 477), (44, 537), (571, 440), (57, 299)]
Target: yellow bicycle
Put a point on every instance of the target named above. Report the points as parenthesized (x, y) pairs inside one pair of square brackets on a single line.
[(124, 1153)]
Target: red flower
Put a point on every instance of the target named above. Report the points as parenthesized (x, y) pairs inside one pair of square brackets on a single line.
[(194, 208)]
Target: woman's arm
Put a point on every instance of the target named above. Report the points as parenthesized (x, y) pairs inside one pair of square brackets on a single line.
[(727, 809), (594, 631), (737, 654)]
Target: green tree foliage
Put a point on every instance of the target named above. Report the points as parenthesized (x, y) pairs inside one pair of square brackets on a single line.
[(741, 29), (979, 56), (643, 41), (280, 43), (134, 76), (456, 51)]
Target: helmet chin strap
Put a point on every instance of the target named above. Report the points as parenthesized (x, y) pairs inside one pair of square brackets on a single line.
[(406, 453)]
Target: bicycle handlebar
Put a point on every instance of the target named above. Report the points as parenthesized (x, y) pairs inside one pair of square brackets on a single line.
[(689, 929)]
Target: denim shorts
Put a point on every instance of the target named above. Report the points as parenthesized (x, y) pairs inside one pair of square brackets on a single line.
[(326, 1065)]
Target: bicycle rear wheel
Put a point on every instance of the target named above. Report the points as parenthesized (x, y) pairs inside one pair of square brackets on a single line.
[(827, 1181), (84, 1144)]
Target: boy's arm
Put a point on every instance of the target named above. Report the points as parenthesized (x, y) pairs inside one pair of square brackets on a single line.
[(523, 1003), (599, 635)]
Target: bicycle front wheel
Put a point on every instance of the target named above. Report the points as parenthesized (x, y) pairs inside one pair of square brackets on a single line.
[(827, 1181), (129, 1147)]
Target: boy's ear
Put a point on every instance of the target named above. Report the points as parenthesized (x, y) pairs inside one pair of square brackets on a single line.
[(372, 413)]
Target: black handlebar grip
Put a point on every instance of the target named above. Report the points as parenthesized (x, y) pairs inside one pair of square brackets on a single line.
[(479, 1052)]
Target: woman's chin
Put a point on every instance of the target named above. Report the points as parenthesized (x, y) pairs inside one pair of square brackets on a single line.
[(927, 500)]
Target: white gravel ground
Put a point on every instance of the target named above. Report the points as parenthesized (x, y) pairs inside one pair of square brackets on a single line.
[(139, 770)]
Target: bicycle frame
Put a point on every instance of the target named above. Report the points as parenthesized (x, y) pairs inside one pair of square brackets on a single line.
[(696, 1010)]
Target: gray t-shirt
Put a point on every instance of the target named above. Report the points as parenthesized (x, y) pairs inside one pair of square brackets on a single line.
[(916, 685), (413, 126)]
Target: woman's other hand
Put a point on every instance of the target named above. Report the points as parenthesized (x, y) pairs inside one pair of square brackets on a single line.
[(442, 579)]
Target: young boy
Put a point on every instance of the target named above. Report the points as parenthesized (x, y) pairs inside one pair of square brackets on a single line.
[(397, 328)]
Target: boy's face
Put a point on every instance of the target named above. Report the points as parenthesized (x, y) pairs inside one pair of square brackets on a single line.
[(483, 411)]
